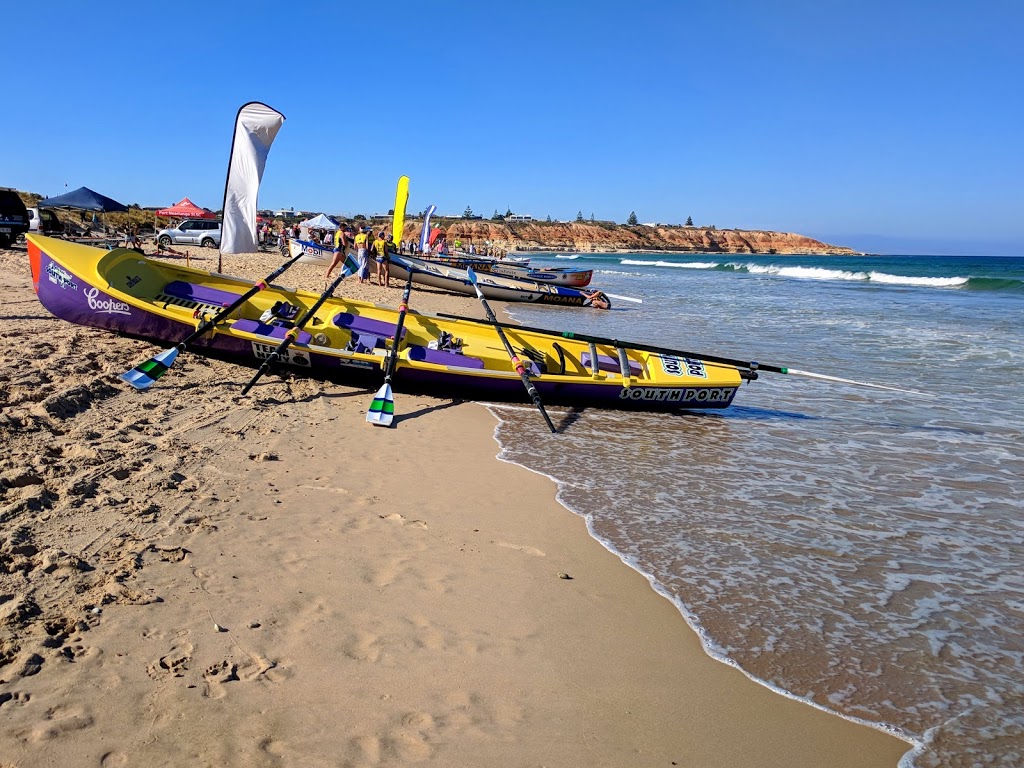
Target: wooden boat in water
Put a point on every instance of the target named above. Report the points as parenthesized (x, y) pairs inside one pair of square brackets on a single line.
[(347, 341)]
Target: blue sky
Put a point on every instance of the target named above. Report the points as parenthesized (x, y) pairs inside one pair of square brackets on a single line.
[(893, 126)]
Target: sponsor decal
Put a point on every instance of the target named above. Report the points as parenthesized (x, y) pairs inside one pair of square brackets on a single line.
[(105, 306), (686, 366), (291, 356), (679, 395), (355, 363), (310, 250), (61, 277), (133, 281)]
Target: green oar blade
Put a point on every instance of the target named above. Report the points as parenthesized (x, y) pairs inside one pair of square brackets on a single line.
[(143, 375), (382, 410)]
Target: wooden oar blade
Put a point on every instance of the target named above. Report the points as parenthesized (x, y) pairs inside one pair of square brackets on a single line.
[(145, 374), (382, 410)]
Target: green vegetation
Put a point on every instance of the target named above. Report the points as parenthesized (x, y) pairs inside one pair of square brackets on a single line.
[(632, 220)]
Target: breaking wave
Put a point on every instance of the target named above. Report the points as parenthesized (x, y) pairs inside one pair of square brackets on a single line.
[(823, 273)]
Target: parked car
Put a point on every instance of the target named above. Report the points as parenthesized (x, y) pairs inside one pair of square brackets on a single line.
[(13, 217), (202, 232), (44, 221)]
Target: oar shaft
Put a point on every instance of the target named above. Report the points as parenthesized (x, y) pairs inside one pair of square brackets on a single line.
[(619, 343), (531, 390), (206, 325), (293, 333), (753, 366), (402, 310)]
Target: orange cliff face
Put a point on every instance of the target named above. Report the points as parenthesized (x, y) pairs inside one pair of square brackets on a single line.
[(587, 236)]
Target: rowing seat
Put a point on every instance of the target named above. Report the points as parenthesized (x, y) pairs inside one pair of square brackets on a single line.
[(201, 294), (272, 331), (367, 333), (443, 357), (610, 364)]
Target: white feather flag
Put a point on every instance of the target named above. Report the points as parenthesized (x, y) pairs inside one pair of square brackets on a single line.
[(256, 128)]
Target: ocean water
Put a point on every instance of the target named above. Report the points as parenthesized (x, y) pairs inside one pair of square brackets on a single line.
[(859, 549)]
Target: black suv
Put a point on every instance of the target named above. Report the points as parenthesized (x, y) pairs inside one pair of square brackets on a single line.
[(13, 217)]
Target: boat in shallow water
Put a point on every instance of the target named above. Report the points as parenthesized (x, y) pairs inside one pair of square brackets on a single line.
[(455, 279), (347, 341)]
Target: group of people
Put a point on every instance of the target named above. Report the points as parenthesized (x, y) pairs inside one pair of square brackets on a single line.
[(365, 242)]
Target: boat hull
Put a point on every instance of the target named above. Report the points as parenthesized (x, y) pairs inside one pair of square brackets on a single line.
[(125, 293)]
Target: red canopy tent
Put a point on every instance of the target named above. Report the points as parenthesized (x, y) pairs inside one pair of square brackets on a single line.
[(186, 209)]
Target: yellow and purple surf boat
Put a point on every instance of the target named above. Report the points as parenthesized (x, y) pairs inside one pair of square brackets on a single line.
[(352, 342)]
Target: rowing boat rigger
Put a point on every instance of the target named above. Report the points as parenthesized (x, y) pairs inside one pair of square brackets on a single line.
[(348, 341)]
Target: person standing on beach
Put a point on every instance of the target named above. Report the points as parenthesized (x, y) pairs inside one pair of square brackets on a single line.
[(380, 247), (361, 257), (340, 244)]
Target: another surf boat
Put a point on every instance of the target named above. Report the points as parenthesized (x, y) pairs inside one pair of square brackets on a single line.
[(453, 279), (574, 278), (348, 341)]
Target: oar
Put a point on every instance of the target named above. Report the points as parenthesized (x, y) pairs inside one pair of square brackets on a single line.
[(752, 366), (143, 375), (293, 332), (516, 362), (382, 409), (622, 298)]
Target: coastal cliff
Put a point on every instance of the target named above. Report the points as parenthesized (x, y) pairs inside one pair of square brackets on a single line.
[(590, 236)]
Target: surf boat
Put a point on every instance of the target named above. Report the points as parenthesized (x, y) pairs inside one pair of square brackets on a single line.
[(493, 286), (348, 341), (573, 278), (451, 278)]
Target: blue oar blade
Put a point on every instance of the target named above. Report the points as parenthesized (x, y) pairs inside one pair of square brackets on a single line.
[(145, 374), (382, 410)]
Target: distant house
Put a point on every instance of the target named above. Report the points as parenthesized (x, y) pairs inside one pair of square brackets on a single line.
[(519, 217)]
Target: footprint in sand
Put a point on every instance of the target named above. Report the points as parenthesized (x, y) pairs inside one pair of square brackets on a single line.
[(397, 518), (60, 720), (520, 548), (173, 664), (16, 699), (215, 677)]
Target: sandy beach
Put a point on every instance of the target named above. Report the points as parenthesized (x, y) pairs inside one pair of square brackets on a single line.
[(193, 578)]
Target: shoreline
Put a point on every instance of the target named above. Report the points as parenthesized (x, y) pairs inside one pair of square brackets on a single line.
[(413, 611), (691, 620)]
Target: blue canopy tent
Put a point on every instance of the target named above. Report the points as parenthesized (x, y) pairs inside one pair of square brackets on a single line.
[(84, 199)]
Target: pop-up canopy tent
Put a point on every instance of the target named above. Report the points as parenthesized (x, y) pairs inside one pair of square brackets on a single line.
[(83, 199), (319, 222), (186, 209)]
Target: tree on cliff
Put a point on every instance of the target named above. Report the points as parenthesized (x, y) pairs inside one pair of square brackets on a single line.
[(468, 213), (632, 220), (689, 221), (496, 216), (592, 217), (548, 218), (579, 215)]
